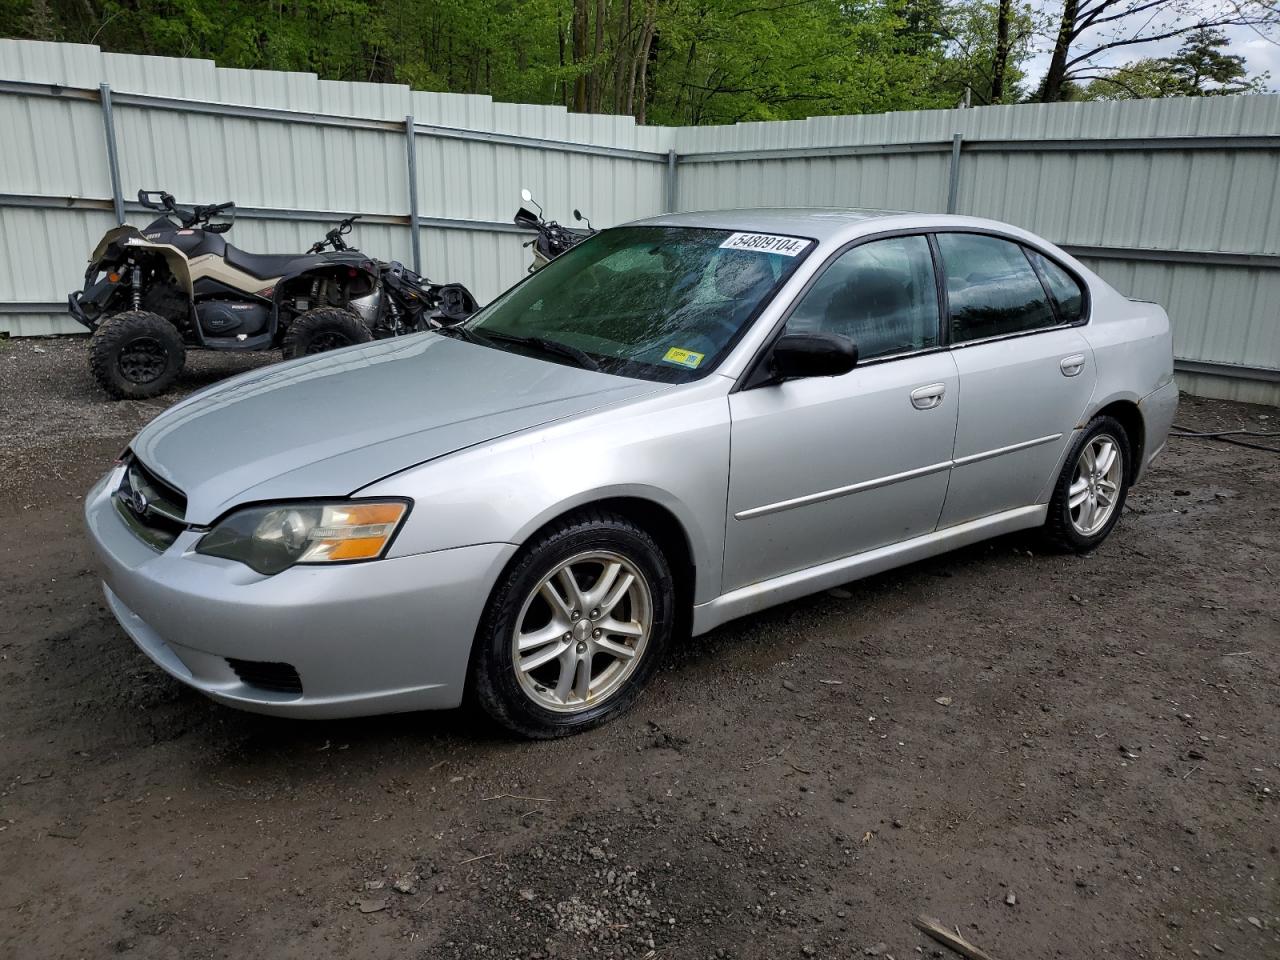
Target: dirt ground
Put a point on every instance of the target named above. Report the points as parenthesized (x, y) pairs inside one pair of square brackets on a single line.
[(1101, 777)]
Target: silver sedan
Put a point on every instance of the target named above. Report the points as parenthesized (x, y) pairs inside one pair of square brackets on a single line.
[(681, 421)]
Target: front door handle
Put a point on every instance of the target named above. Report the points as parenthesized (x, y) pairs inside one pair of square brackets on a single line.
[(1072, 365), (928, 397)]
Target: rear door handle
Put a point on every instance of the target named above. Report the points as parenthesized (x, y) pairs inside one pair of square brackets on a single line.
[(928, 397), (1072, 365)]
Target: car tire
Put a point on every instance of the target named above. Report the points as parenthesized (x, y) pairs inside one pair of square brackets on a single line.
[(1089, 495), (531, 701), (136, 355), (323, 329)]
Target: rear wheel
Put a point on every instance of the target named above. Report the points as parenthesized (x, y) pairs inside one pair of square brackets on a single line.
[(136, 355), (575, 628), (323, 329), (1090, 493)]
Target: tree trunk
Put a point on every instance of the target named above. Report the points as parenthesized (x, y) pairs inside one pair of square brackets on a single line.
[(581, 12), (1057, 75), (597, 70), (564, 88), (639, 57), (621, 59), (1000, 64), (643, 106)]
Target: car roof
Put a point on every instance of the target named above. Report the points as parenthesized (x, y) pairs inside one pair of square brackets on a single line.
[(822, 223)]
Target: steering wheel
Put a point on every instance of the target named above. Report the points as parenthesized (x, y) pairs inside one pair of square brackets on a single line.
[(707, 319)]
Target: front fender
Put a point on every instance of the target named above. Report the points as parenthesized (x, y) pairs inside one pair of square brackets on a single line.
[(671, 449)]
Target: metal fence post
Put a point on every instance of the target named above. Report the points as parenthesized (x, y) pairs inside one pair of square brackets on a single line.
[(672, 159), (411, 157), (113, 158), (953, 186)]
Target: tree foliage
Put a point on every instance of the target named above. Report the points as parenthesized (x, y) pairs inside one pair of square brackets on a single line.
[(1089, 31), (668, 61), (1202, 67)]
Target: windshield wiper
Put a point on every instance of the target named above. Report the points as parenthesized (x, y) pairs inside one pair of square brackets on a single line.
[(542, 344), (459, 331)]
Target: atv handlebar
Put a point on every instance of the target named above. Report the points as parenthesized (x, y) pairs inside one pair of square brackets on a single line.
[(164, 202), (334, 237)]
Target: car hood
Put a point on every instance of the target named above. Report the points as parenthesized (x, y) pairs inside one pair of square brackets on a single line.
[(328, 425)]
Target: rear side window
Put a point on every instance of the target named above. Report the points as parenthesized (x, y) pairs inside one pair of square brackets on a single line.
[(1066, 293), (992, 289)]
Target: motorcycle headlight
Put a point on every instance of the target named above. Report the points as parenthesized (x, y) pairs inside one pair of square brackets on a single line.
[(274, 537)]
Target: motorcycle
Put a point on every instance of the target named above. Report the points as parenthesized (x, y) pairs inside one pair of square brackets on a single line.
[(408, 302), (151, 294), (553, 239)]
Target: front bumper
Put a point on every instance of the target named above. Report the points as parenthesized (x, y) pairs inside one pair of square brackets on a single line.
[(77, 311), (380, 637)]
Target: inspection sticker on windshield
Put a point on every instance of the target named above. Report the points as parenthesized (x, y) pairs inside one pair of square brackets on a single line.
[(686, 358), (767, 243)]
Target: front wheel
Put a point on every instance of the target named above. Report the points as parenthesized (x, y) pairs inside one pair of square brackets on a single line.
[(1089, 496), (135, 355), (323, 329), (575, 628)]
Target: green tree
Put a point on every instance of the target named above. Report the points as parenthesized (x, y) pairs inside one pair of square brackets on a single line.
[(1200, 68), (989, 42), (669, 61), (1089, 31)]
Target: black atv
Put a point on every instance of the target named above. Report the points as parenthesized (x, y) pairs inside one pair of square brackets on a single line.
[(150, 294), (408, 302)]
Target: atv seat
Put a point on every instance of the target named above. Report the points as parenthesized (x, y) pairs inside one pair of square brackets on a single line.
[(270, 265)]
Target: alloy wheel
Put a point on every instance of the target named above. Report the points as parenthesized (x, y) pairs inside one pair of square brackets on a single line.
[(143, 359), (1095, 485), (582, 631)]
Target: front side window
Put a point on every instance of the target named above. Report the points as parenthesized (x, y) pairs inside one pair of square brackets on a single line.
[(992, 289), (1066, 292), (881, 295), (657, 303)]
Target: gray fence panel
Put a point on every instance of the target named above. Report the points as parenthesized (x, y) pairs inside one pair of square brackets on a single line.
[(1172, 200)]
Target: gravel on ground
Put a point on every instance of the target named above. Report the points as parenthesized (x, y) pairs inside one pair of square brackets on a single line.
[(1058, 756)]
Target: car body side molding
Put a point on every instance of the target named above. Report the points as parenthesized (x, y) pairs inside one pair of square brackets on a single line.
[(800, 583), (892, 478)]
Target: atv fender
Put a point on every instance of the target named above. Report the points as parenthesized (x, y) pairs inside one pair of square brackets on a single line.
[(174, 258), (331, 265)]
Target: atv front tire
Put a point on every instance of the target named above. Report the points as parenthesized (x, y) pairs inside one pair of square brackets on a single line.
[(136, 355), (322, 329)]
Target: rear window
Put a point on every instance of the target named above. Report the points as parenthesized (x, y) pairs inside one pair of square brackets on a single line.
[(1067, 294)]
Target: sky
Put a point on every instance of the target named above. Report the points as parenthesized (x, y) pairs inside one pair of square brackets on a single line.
[(1260, 54)]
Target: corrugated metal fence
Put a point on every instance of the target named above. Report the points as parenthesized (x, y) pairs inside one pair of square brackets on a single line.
[(1176, 201)]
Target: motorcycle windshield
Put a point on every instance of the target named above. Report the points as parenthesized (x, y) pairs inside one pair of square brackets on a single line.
[(652, 302)]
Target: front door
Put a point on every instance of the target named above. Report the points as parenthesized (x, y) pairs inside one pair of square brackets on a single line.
[(827, 467)]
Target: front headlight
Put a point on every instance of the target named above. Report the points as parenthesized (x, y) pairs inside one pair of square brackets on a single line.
[(274, 537)]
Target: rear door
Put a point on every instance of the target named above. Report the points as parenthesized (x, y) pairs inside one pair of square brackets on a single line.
[(1026, 372)]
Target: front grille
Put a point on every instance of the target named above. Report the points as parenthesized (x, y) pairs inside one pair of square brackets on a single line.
[(153, 509), (280, 677)]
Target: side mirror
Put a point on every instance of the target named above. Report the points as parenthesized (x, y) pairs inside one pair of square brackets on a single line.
[(526, 196), (798, 355)]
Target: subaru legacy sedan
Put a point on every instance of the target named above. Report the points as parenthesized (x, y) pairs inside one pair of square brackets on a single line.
[(681, 421)]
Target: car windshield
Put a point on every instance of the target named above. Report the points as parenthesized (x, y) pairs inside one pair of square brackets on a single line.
[(658, 303)]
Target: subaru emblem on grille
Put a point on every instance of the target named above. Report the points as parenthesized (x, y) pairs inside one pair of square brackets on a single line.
[(138, 502), (133, 497)]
